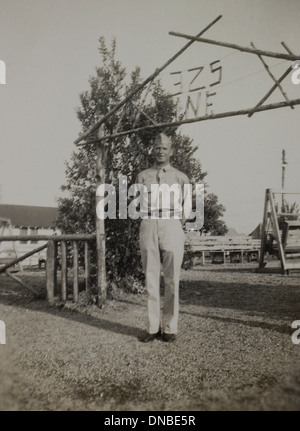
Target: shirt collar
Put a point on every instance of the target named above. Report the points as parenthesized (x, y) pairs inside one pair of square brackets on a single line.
[(164, 168)]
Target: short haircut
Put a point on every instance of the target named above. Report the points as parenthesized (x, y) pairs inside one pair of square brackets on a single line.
[(163, 138)]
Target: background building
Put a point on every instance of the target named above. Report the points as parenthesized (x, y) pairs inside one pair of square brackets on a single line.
[(25, 220)]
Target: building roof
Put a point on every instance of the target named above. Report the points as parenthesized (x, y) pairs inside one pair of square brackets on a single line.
[(256, 234), (29, 216), (232, 232)]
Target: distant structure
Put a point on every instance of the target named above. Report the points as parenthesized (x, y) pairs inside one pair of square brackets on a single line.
[(256, 233), (26, 220)]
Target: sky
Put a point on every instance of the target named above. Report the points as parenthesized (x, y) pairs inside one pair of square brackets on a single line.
[(50, 51)]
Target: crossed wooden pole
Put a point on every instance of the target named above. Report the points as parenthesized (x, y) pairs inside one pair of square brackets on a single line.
[(96, 126), (259, 107)]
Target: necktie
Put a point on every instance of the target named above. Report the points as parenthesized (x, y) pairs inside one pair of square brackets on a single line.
[(160, 175), (160, 180)]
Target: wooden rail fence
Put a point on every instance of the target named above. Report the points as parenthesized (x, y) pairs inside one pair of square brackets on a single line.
[(53, 245)]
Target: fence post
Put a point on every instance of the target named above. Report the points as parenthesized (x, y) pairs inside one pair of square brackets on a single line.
[(64, 271), (100, 228), (51, 270), (87, 270), (203, 258), (75, 271)]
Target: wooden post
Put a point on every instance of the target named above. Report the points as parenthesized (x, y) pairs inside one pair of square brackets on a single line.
[(276, 231), (283, 163), (64, 271), (75, 271), (272, 76), (51, 271), (270, 91), (203, 258), (290, 57), (263, 230), (87, 270), (100, 227)]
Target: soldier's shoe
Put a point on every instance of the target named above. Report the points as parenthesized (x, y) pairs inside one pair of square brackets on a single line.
[(169, 338), (146, 337)]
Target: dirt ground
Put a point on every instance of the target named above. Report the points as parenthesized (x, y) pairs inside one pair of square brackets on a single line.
[(234, 350)]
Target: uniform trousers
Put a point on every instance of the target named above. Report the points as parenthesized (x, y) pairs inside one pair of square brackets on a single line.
[(162, 245)]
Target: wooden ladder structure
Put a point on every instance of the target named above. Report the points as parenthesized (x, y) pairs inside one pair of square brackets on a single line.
[(286, 241)]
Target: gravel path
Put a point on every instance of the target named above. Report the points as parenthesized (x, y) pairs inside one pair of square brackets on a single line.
[(234, 350)]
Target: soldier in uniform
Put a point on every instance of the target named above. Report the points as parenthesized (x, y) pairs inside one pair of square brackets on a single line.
[(162, 239)]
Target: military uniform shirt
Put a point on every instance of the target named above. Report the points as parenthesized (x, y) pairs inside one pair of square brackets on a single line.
[(165, 195)]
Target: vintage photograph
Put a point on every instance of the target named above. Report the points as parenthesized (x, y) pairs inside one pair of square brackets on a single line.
[(149, 208)]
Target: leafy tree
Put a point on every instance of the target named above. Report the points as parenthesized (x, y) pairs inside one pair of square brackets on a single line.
[(212, 213), (126, 156)]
